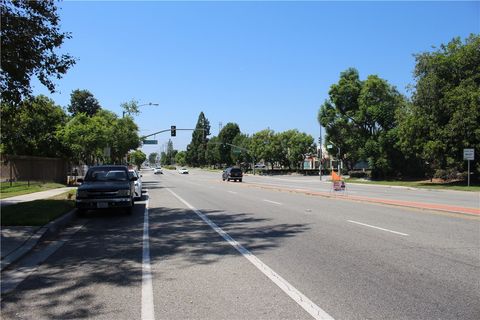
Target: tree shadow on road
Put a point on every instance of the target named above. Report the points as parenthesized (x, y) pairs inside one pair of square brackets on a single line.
[(105, 258), (176, 232)]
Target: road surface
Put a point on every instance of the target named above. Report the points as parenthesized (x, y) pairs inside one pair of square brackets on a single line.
[(200, 248)]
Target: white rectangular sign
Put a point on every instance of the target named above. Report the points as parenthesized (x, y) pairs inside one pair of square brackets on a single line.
[(468, 154)]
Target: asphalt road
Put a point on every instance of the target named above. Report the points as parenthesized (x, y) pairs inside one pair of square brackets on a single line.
[(225, 250)]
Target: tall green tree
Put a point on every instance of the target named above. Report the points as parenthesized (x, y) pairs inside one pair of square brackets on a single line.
[(137, 158), (212, 155), (359, 119), (30, 128), (130, 108), (168, 157), (124, 138), (225, 137), (444, 116), (294, 145), (197, 148), (83, 101), (152, 158), (84, 138), (263, 146), (30, 38), (243, 141), (180, 158), (87, 137)]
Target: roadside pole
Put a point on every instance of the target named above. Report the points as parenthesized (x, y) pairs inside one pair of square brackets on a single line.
[(468, 174), (320, 154), (468, 154)]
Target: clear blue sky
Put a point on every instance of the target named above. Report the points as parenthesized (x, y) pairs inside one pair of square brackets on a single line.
[(259, 64)]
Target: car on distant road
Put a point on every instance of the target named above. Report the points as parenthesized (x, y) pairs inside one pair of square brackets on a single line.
[(137, 183), (232, 173), (260, 166), (157, 170), (183, 170), (106, 187)]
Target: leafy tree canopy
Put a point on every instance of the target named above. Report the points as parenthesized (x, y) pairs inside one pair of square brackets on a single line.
[(30, 36), (130, 108), (263, 146), (243, 141), (88, 137), (226, 135), (30, 128), (294, 145), (83, 101), (152, 158), (358, 119), (180, 158), (444, 116), (137, 157)]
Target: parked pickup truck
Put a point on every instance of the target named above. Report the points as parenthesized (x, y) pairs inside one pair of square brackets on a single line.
[(106, 187)]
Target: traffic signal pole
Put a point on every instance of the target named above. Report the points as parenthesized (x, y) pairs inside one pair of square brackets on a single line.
[(172, 129)]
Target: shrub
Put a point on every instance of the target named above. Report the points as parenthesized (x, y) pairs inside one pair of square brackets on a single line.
[(359, 174), (449, 174)]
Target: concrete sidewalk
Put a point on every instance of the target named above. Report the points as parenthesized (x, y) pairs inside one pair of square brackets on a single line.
[(34, 196), (16, 241)]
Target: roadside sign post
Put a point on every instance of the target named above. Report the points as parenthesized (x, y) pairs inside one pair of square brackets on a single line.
[(468, 154)]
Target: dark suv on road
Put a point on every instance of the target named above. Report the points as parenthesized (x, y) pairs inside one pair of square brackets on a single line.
[(232, 174), (106, 187)]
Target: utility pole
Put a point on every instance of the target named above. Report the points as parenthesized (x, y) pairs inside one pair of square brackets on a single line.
[(320, 153)]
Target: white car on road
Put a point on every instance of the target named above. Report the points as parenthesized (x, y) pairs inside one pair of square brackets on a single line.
[(183, 170), (138, 182), (157, 170)]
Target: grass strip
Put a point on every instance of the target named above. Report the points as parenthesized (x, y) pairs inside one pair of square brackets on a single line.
[(460, 186), (38, 212), (20, 188)]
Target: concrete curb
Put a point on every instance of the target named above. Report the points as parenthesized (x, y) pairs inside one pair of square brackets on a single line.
[(50, 229)]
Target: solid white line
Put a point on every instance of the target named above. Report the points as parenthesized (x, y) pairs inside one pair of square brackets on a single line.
[(274, 202), (147, 288), (314, 310), (232, 192), (367, 225)]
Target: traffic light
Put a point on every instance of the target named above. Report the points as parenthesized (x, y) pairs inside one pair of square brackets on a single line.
[(173, 131)]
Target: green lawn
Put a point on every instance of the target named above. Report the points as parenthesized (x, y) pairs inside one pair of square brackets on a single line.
[(19, 188), (461, 186), (38, 212)]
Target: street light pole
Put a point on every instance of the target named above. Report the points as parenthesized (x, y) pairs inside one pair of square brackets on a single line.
[(320, 153), (338, 156), (142, 105)]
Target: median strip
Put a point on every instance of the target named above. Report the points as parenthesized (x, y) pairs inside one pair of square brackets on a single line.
[(400, 203)]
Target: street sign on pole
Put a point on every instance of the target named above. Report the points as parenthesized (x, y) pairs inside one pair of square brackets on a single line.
[(150, 141), (468, 154)]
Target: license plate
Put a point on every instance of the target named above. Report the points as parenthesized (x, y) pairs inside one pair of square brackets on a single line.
[(101, 205)]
